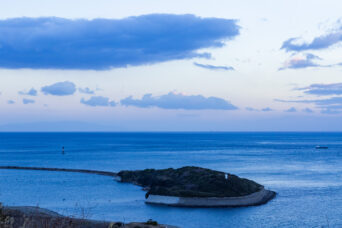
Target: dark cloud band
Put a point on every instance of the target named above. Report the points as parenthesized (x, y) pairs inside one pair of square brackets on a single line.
[(99, 44)]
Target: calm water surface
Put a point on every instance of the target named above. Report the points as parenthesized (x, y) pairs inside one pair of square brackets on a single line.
[(308, 181)]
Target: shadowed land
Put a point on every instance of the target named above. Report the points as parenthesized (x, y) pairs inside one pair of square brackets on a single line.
[(35, 217)]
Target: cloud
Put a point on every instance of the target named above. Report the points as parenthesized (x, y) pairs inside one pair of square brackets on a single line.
[(28, 101), (330, 111), (320, 42), (98, 101), (267, 109), (10, 102), (323, 89), (55, 126), (302, 61), (212, 67), (331, 105), (60, 89), (329, 101), (292, 109), (251, 109), (179, 101), (307, 110), (31, 92), (86, 90), (100, 44)]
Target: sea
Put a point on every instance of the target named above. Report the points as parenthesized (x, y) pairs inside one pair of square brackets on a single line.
[(308, 181)]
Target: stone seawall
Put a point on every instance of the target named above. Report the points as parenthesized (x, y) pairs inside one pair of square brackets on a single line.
[(102, 173), (253, 199)]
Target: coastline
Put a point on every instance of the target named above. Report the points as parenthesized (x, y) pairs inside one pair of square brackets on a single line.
[(253, 199)]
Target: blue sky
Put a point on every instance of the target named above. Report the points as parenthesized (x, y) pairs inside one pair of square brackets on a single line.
[(170, 65)]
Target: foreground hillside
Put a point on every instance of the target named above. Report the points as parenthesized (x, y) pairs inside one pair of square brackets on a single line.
[(35, 217)]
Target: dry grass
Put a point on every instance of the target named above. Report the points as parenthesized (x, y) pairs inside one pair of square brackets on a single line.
[(35, 217)]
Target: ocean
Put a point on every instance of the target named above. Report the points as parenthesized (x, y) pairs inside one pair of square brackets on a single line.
[(308, 181)]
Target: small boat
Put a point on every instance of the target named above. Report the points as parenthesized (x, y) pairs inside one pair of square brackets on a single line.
[(321, 147)]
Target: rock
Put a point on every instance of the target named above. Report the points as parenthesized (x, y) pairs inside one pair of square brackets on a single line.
[(199, 187)]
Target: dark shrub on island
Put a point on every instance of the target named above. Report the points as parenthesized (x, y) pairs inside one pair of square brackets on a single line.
[(190, 182)]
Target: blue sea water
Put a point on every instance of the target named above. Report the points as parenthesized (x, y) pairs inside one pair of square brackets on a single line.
[(308, 181)]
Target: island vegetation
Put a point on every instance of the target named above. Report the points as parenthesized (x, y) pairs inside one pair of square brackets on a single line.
[(190, 181)]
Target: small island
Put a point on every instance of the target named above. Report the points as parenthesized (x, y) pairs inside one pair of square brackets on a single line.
[(197, 187), (188, 186)]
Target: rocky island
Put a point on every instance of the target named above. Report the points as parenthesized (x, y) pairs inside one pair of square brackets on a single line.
[(188, 186), (197, 187)]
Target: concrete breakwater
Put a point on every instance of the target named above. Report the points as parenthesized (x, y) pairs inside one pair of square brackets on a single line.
[(102, 173), (253, 199)]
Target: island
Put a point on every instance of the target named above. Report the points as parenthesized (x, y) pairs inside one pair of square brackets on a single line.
[(197, 187), (188, 186)]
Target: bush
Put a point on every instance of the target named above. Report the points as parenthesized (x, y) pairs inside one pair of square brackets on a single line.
[(190, 182), (151, 222)]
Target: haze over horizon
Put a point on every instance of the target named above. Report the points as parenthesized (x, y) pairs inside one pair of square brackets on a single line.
[(170, 66)]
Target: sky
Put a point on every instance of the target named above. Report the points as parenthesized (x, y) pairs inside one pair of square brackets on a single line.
[(153, 65)]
